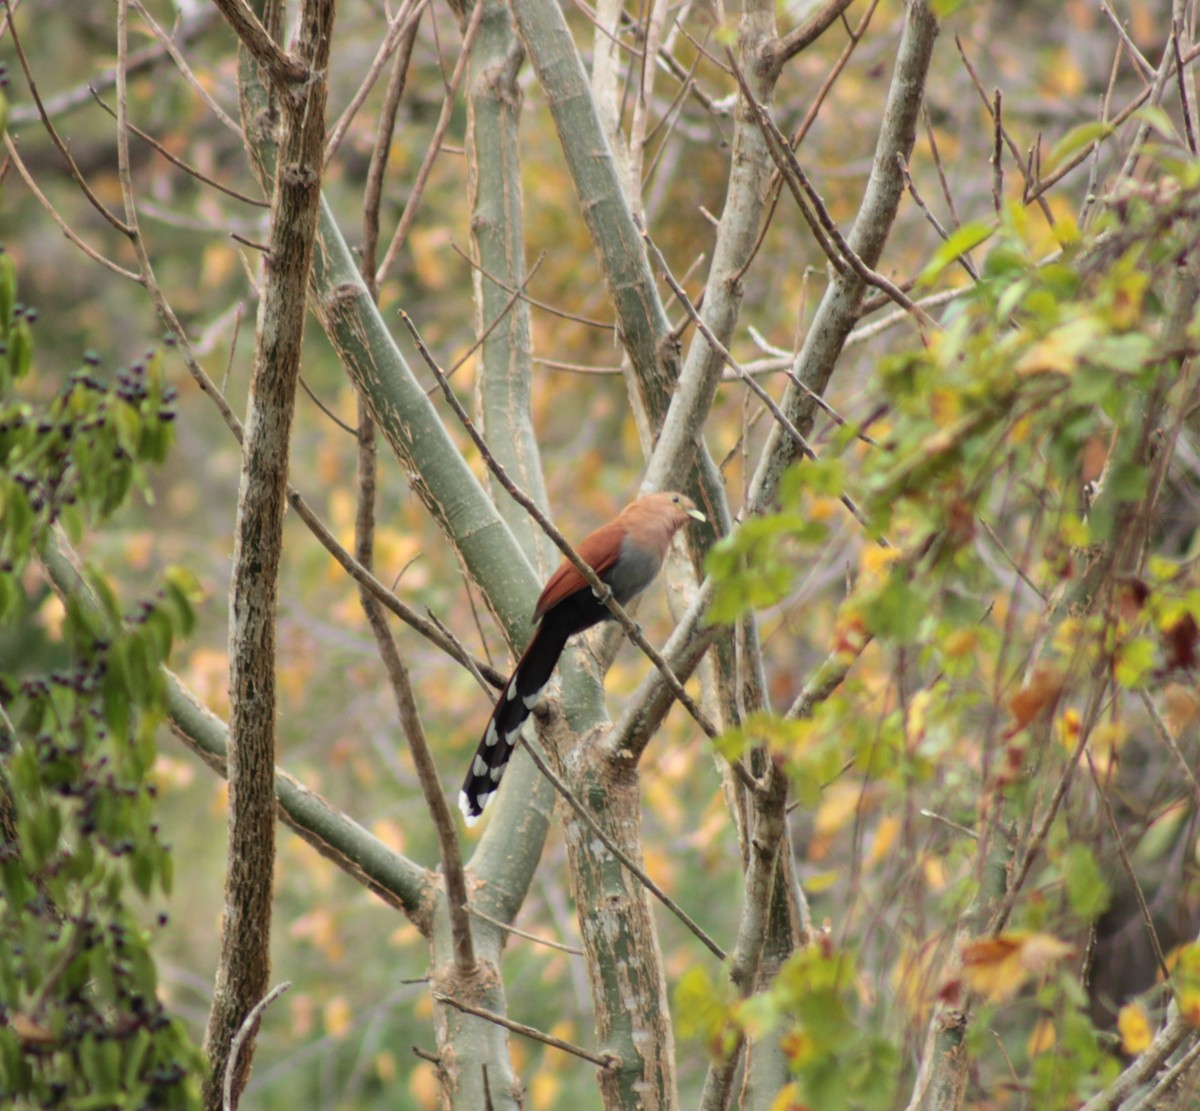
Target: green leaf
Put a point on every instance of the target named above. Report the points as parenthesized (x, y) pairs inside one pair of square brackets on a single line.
[(896, 610), (104, 592), (1134, 660), (964, 239), (1075, 140), (8, 288), (20, 349), (1087, 892), (1158, 119)]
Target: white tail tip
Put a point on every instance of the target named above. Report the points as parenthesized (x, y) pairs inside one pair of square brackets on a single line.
[(464, 804)]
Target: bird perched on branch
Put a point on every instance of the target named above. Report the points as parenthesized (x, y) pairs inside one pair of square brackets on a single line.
[(626, 554)]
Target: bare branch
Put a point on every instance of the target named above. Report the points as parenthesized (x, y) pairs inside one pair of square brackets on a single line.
[(66, 229), (603, 1060), (244, 1031), (406, 704), (755, 388), (282, 68), (373, 190), (543, 766), (435, 148), (245, 946), (172, 48), (807, 33), (812, 207), (80, 180), (402, 29)]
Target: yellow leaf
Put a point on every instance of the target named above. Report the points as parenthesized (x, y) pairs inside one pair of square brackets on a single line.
[(1058, 352), (824, 509), (787, 1100), (885, 838), (934, 868), (838, 805), (875, 561), (423, 1081), (998, 967), (960, 643), (821, 881), (337, 1017), (1042, 1038), (544, 1091), (1135, 1029), (1069, 725), (385, 1066)]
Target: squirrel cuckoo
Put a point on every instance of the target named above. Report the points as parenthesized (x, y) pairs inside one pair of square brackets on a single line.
[(626, 554)]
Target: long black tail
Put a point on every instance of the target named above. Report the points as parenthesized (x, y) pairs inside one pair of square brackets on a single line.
[(517, 699)]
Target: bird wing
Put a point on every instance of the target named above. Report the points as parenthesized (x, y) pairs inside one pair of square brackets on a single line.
[(599, 550)]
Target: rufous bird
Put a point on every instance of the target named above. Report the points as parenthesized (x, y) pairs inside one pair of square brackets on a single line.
[(626, 554)]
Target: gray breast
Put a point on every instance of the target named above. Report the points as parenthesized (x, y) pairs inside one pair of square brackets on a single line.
[(633, 572)]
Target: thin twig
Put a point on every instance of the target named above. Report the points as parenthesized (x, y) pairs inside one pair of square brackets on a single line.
[(602, 1060), (404, 22), (410, 719), (544, 767), (756, 389), (1037, 840), (435, 145), (505, 309), (997, 156), (937, 162), (76, 173), (1031, 190), (64, 227), (1089, 194), (810, 117), (1164, 735), (510, 929), (373, 190), (1189, 129), (813, 208), (963, 259), (187, 167), (1139, 59), (553, 310), (146, 58), (181, 63), (1130, 873), (1045, 184), (235, 1047), (281, 67), (949, 823), (796, 40)]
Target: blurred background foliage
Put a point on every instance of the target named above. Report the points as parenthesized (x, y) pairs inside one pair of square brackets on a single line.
[(343, 1037)]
